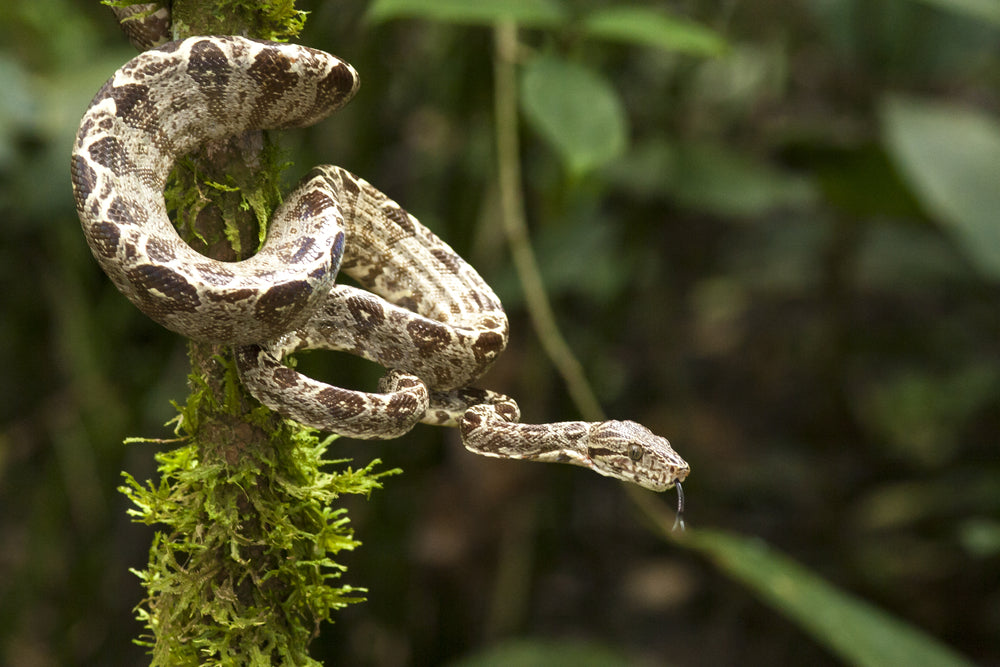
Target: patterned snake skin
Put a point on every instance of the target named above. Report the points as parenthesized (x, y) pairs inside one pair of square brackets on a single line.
[(424, 313)]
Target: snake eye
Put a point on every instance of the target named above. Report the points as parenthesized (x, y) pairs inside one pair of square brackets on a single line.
[(635, 452)]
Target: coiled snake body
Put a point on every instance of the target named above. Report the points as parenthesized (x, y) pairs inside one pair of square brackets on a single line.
[(424, 313)]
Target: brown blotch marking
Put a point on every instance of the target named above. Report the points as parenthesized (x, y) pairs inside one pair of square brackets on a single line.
[(336, 86), (180, 295), (472, 395), (401, 405), (131, 253), (160, 251), (507, 410), (285, 377), (313, 204), (368, 313), (477, 299), (274, 304), (350, 186), (409, 382), (469, 422), (341, 403), (132, 104), (332, 91), (120, 213), (273, 73), (409, 303), (400, 218), (396, 381), (110, 153), (84, 177), (428, 337), (231, 295), (104, 238), (306, 244), (449, 259), (209, 67), (487, 346)]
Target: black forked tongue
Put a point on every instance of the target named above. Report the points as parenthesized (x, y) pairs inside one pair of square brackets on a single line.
[(679, 521)]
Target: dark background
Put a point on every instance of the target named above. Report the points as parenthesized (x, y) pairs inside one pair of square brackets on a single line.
[(756, 278)]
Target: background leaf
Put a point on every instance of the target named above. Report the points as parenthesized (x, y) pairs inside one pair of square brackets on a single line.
[(574, 109), (481, 12), (645, 26), (859, 632), (988, 10), (950, 156)]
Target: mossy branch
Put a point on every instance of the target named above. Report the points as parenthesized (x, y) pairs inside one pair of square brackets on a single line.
[(526, 265), (240, 570)]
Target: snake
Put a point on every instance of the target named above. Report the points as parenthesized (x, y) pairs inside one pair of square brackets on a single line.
[(420, 310)]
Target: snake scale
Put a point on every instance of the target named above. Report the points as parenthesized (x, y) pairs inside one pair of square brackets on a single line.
[(423, 313)]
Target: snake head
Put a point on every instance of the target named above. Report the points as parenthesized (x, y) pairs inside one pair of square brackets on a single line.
[(631, 452)]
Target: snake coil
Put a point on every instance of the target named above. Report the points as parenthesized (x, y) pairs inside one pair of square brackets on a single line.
[(424, 313)]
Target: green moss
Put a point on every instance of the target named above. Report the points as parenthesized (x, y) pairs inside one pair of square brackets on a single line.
[(240, 570), (223, 210), (273, 20), (241, 567)]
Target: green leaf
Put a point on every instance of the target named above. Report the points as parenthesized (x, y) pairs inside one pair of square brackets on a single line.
[(950, 157), (977, 9), (532, 13), (575, 110), (858, 632), (645, 26)]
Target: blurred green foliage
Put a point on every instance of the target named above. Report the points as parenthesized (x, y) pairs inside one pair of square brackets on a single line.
[(786, 263), (575, 110)]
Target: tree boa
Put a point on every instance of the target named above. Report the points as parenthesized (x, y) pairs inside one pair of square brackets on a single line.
[(425, 313)]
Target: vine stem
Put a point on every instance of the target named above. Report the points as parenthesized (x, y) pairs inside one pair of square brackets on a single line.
[(526, 264), (516, 230)]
